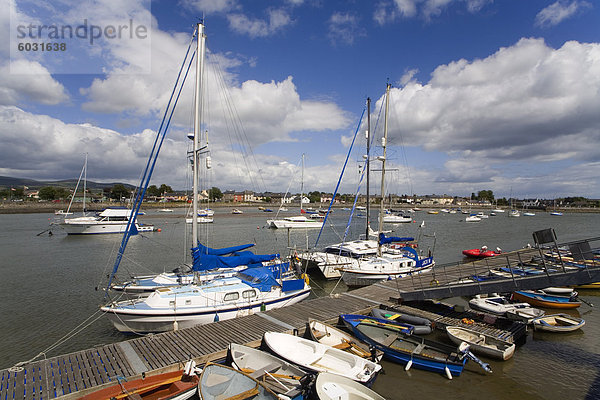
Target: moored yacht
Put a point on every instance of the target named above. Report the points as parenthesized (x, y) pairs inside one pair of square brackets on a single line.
[(111, 220)]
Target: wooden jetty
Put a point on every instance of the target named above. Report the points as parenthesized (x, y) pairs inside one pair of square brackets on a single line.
[(75, 374)]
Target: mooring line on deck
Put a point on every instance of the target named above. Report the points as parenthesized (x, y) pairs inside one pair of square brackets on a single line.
[(276, 321)]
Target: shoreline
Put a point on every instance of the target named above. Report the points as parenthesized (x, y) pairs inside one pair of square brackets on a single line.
[(12, 207)]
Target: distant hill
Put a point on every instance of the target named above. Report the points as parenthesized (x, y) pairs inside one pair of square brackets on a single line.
[(32, 184)]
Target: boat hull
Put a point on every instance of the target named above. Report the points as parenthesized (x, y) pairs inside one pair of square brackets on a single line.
[(546, 301), (481, 343), (101, 228), (167, 386), (402, 349), (333, 387), (318, 357), (132, 320), (557, 323)]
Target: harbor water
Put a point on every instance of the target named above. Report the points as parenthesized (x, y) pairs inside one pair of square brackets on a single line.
[(52, 287)]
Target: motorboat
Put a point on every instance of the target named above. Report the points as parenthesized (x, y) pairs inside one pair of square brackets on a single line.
[(481, 343), (237, 211), (472, 218), (397, 219), (110, 220)]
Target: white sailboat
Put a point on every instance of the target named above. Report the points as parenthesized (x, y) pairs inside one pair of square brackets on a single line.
[(391, 261), (256, 288), (298, 221), (110, 220)]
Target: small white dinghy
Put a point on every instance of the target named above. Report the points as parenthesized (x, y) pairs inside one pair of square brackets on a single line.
[(334, 387), (524, 313), (557, 323), (497, 305), (319, 357), (481, 343), (278, 375), (331, 336), (221, 382)]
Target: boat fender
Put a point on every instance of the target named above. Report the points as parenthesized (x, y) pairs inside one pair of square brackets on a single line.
[(434, 282), (448, 373), (408, 365), (306, 279)]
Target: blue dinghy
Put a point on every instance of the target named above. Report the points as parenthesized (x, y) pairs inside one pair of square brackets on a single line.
[(407, 349)]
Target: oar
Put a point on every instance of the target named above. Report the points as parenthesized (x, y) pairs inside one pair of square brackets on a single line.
[(586, 302), (250, 370), (410, 328)]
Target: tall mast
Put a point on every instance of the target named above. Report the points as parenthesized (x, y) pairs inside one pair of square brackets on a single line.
[(368, 159), (302, 184), (84, 181), (200, 51), (384, 145)]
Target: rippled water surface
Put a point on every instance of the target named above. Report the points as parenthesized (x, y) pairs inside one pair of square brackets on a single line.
[(48, 288)]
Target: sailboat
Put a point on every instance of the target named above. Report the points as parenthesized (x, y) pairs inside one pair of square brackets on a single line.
[(299, 221), (256, 288), (110, 220), (391, 261)]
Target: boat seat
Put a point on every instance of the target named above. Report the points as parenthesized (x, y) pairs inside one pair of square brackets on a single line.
[(418, 349), (134, 396), (389, 340), (267, 368), (342, 346)]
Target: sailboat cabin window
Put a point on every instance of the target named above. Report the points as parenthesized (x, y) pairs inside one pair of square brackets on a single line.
[(248, 294), (231, 296)]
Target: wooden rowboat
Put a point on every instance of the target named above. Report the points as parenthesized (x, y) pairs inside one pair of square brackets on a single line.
[(176, 385), (481, 343), (318, 357), (334, 387), (331, 336), (557, 323), (541, 299)]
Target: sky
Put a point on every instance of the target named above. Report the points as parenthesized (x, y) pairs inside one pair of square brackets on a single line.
[(485, 95)]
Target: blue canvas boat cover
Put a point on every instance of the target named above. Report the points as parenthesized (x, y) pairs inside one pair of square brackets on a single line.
[(201, 249), (261, 278), (205, 262), (391, 239)]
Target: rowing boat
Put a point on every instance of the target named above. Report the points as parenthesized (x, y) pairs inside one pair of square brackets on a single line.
[(318, 357), (481, 343), (331, 336), (541, 299), (557, 323)]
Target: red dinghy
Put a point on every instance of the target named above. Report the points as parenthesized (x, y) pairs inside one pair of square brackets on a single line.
[(483, 252)]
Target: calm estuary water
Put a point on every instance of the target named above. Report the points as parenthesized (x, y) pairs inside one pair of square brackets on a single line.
[(48, 288)]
